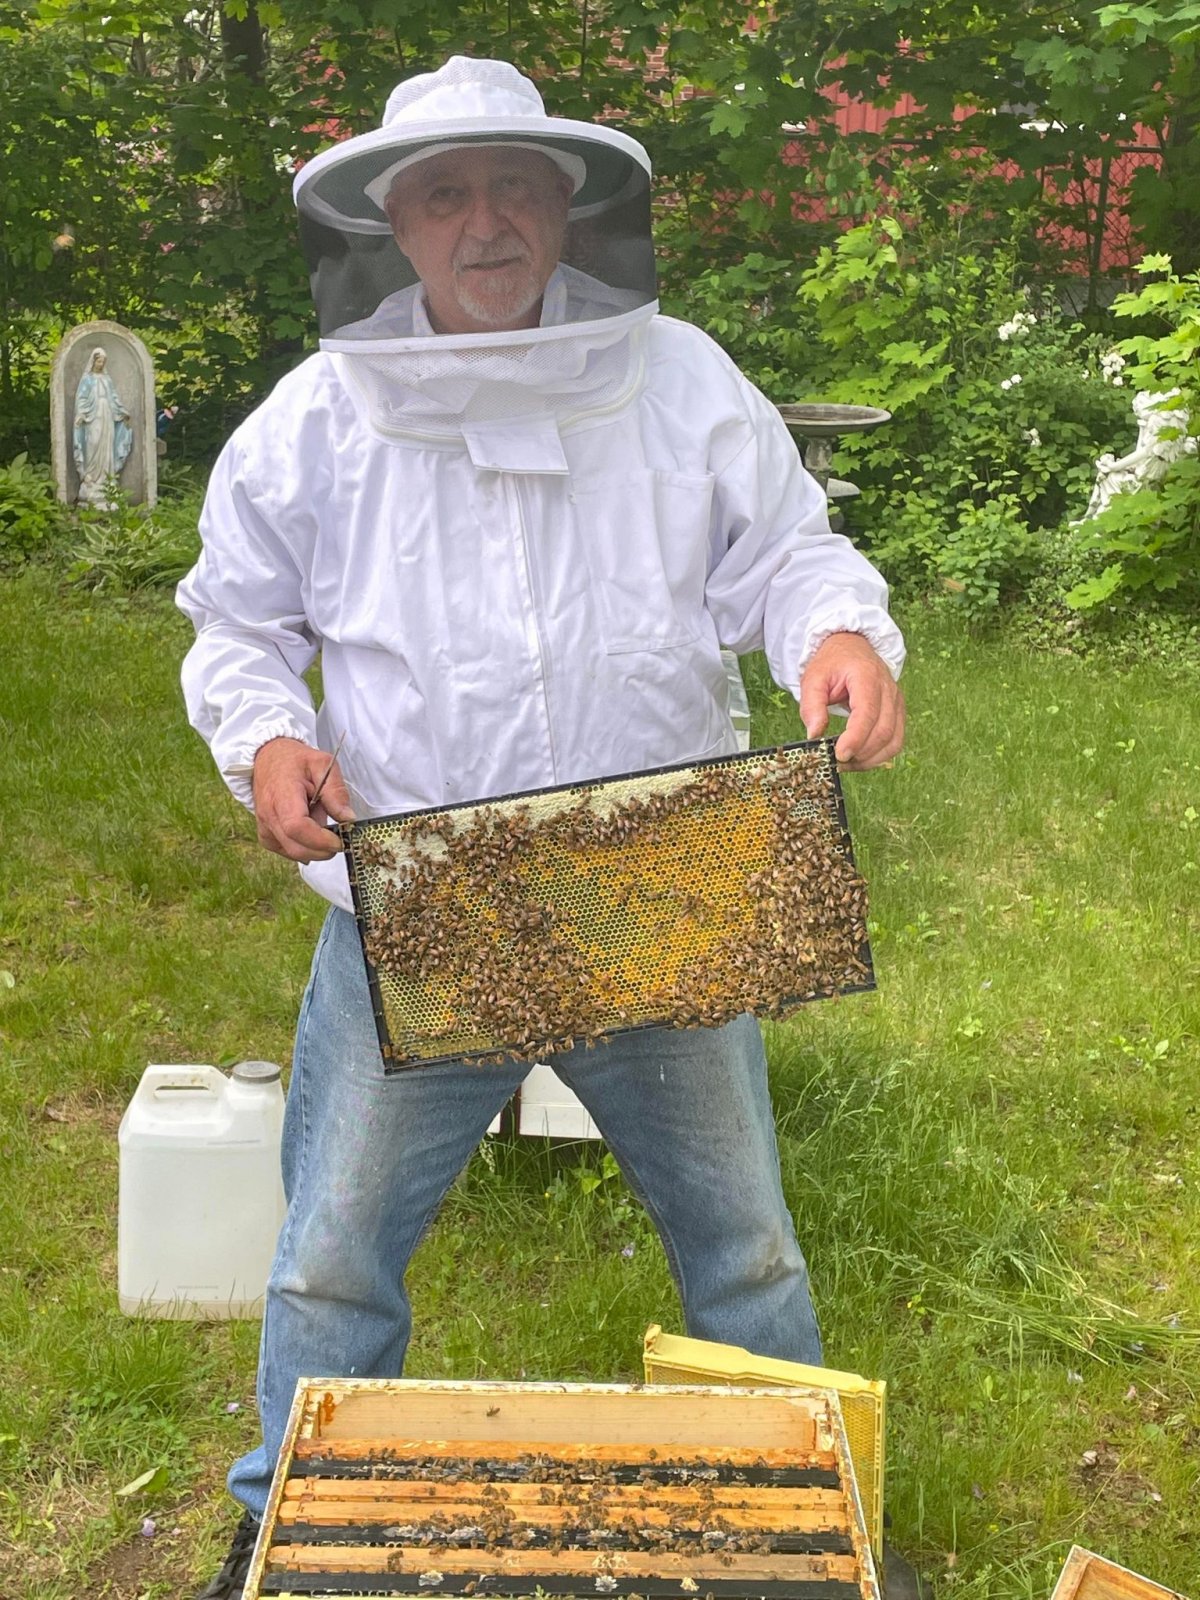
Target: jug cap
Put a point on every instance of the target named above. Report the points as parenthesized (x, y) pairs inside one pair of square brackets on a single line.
[(256, 1072)]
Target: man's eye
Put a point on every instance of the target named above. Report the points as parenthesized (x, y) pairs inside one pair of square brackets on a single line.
[(444, 195)]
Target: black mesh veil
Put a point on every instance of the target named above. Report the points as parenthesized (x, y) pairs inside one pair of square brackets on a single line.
[(359, 274)]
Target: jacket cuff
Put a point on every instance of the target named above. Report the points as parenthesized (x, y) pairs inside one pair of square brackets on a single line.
[(238, 769), (875, 626)]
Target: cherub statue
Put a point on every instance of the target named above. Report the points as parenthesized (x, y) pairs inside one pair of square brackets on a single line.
[(1150, 457)]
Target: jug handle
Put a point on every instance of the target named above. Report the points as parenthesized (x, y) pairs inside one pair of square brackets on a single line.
[(198, 1079)]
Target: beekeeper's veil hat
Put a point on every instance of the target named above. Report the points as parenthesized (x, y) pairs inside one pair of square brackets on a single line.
[(365, 288)]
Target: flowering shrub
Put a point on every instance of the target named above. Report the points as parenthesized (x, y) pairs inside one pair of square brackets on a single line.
[(1000, 404), (1018, 324), (998, 449)]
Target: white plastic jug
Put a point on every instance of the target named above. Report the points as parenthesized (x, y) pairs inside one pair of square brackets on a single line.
[(201, 1198)]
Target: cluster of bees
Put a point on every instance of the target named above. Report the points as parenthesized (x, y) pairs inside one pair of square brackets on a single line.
[(529, 929), (591, 1521), (541, 1469)]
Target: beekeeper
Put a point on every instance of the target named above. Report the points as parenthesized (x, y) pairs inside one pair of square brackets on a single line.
[(517, 513)]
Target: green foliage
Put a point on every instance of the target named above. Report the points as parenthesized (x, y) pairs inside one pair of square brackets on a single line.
[(31, 518), (988, 550), (1054, 92), (149, 151), (149, 154), (1152, 534), (999, 403), (127, 549), (877, 317), (750, 307), (1170, 357), (1138, 59)]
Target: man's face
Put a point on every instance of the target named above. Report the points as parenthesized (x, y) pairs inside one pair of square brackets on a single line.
[(483, 229)]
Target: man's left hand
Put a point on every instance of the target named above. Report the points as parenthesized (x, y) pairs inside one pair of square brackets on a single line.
[(846, 671)]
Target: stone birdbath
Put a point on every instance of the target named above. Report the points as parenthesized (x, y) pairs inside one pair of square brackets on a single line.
[(822, 425)]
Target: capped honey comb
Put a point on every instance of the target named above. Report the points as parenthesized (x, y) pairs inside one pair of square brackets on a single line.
[(524, 925)]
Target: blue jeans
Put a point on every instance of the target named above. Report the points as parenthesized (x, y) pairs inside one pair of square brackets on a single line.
[(367, 1159)]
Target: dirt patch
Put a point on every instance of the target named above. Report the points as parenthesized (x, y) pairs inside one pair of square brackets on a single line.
[(64, 1548), (1103, 1473), (172, 1561), (84, 1108)]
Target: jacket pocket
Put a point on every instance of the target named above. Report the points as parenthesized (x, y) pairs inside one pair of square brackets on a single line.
[(644, 536)]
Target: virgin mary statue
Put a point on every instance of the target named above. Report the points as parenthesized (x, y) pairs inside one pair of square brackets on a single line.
[(103, 435)]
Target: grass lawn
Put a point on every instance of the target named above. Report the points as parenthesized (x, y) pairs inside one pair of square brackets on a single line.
[(992, 1161)]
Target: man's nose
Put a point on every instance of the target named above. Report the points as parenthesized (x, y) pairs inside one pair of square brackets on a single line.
[(485, 219)]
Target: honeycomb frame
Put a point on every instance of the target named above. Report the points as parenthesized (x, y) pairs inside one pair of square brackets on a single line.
[(525, 924)]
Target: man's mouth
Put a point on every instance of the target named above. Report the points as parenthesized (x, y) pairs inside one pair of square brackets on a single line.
[(492, 266)]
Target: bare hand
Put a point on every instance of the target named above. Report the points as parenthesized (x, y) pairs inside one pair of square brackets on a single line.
[(286, 776), (846, 671)]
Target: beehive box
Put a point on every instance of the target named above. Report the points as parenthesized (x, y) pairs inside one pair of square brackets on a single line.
[(512, 1490), (672, 1358), (530, 923), (1087, 1576)]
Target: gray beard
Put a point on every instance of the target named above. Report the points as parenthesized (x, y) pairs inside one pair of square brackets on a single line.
[(505, 303)]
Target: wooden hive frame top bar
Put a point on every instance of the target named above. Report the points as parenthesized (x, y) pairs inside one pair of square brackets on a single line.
[(476, 1490)]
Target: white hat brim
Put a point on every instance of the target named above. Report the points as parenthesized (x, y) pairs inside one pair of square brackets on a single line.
[(339, 187)]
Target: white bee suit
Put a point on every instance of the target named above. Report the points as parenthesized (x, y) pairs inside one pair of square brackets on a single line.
[(518, 555)]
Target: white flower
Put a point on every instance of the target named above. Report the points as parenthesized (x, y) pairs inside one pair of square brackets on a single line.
[(1118, 383), (1032, 438), (1009, 383), (1019, 323)]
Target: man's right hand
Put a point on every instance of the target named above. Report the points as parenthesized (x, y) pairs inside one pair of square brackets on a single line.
[(286, 776)]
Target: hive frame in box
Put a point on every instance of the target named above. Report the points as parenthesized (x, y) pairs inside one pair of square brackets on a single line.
[(399, 1000), (672, 1358), (775, 1458)]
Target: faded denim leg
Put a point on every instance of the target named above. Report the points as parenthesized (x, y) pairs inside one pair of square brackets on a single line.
[(687, 1113), (368, 1158)]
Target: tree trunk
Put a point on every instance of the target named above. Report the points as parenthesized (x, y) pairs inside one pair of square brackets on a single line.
[(1181, 165), (244, 43)]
